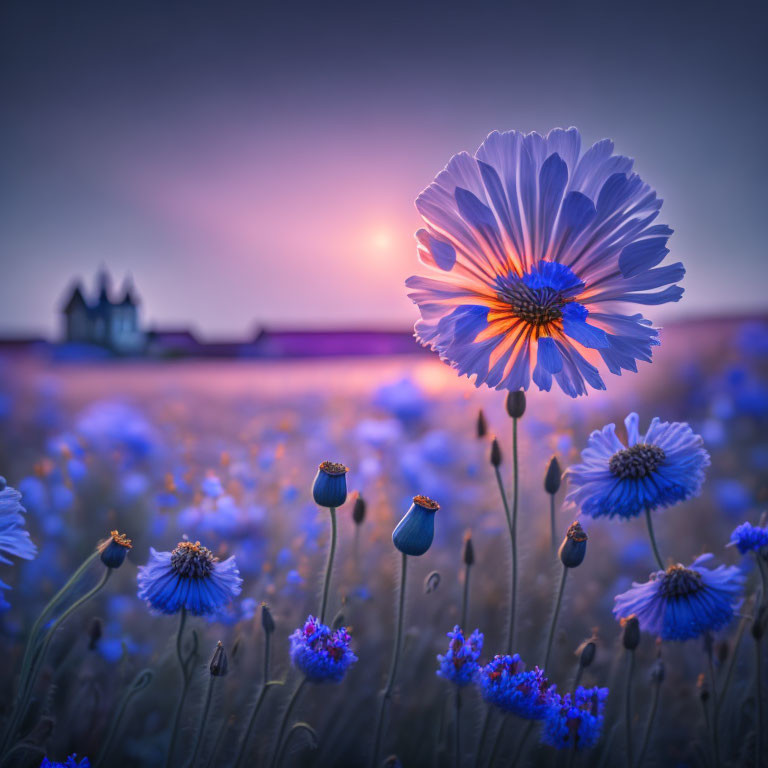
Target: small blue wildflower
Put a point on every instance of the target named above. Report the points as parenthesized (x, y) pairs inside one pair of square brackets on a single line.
[(70, 762), (330, 486), (505, 683), (14, 538), (322, 654), (459, 664), (414, 533), (749, 538), (682, 603), (575, 721), (658, 469), (188, 577)]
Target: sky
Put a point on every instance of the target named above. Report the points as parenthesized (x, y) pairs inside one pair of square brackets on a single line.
[(257, 163)]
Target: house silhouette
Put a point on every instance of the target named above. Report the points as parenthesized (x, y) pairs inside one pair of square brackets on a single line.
[(104, 322)]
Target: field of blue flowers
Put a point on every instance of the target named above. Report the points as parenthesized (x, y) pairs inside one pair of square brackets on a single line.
[(225, 454)]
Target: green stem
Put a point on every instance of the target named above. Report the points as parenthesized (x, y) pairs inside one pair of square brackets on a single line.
[(257, 704), (39, 657), (465, 602), (203, 720), (555, 614), (515, 494), (510, 526), (628, 706), (758, 704), (184, 687), (140, 682), (328, 566), (649, 724), (552, 523), (379, 731), (734, 652), (652, 537), (284, 722), (295, 728)]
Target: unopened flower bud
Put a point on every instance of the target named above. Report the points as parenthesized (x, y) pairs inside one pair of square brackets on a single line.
[(330, 486), (553, 476), (516, 404), (431, 582), (469, 549), (219, 664), (114, 549), (413, 535), (586, 652), (630, 639), (482, 425), (495, 453), (358, 511), (267, 622), (574, 546)]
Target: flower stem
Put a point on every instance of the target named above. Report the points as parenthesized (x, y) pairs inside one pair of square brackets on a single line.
[(387, 692), (628, 706), (510, 526), (483, 736), (552, 523), (649, 723), (652, 537), (555, 614), (203, 720), (328, 566), (183, 663), (465, 601), (758, 703), (457, 730), (513, 533), (715, 707), (286, 716), (139, 683)]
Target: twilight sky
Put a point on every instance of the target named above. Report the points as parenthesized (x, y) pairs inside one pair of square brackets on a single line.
[(252, 162)]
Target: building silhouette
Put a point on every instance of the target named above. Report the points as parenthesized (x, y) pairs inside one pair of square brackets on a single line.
[(112, 323)]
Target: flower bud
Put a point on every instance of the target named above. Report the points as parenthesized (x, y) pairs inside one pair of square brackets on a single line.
[(495, 453), (586, 653), (553, 476), (114, 549), (431, 582), (330, 486), (482, 425), (95, 631), (358, 511), (469, 549), (516, 403), (414, 533), (574, 546), (267, 622), (219, 664), (630, 639), (703, 687)]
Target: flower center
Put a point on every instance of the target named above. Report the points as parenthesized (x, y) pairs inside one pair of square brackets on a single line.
[(679, 581), (192, 561), (638, 461)]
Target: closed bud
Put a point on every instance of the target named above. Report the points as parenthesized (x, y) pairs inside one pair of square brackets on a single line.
[(413, 535), (630, 638), (586, 653), (574, 546), (431, 582), (495, 453), (267, 622), (95, 631), (330, 486), (482, 425), (469, 549), (516, 403), (219, 664), (552, 478), (114, 549), (358, 511)]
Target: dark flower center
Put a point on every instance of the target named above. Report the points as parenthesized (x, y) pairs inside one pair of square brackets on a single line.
[(333, 468), (679, 581), (192, 560), (535, 306), (638, 461)]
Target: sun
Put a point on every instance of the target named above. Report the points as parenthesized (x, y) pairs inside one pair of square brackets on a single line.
[(381, 240)]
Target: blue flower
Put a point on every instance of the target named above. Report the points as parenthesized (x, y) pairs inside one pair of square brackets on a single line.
[(212, 487), (70, 762), (532, 248), (682, 603), (322, 654), (459, 664), (658, 469), (505, 683), (114, 549), (189, 577), (749, 538), (330, 486), (14, 538), (575, 721), (414, 533)]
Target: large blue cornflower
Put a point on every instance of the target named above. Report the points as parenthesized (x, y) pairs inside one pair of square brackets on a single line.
[(749, 538), (505, 683), (682, 603), (322, 654), (70, 762), (658, 469), (14, 538), (459, 664), (575, 721), (189, 577), (533, 249)]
